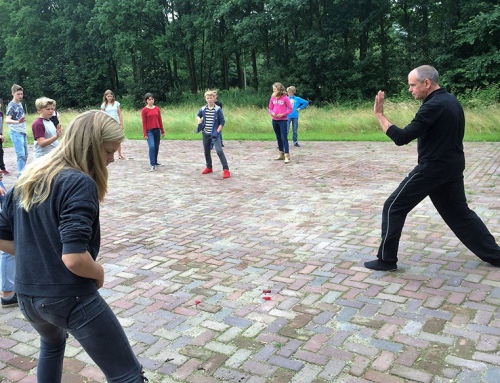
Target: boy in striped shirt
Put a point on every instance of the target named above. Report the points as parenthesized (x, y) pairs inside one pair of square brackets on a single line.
[(210, 123)]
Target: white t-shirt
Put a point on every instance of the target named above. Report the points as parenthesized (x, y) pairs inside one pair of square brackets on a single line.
[(46, 129), (112, 110)]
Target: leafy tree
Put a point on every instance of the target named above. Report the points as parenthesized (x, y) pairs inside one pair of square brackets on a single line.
[(332, 50)]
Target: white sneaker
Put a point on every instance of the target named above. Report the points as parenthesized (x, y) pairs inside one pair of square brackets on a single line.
[(152, 169), (158, 164)]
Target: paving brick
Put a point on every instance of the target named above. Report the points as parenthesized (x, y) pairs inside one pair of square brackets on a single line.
[(384, 361), (329, 319), (378, 377), (412, 374), (469, 364), (311, 357), (360, 363)]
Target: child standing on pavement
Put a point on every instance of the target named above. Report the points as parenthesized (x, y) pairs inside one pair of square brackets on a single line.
[(44, 132), (279, 109), (152, 128), (2, 139), (210, 123), (112, 107), (293, 118), (16, 121)]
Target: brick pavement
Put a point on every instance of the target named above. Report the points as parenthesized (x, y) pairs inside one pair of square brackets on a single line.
[(302, 231)]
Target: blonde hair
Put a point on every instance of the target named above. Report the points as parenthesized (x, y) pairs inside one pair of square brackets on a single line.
[(105, 100), (210, 93), (43, 102), (81, 148), (280, 90), (291, 89)]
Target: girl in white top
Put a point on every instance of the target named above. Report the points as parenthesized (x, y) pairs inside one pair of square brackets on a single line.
[(112, 107)]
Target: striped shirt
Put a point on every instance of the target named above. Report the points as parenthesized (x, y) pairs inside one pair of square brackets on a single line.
[(209, 120)]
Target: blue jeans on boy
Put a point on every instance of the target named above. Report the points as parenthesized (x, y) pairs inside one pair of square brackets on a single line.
[(154, 145), (20, 143), (8, 272), (279, 127), (207, 143), (295, 127), (90, 320)]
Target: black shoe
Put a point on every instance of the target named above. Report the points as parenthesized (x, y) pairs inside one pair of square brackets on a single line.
[(12, 302), (297, 145), (379, 265)]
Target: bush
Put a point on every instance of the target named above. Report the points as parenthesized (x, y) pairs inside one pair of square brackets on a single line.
[(480, 97)]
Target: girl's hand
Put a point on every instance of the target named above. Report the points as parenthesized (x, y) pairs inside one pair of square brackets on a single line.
[(100, 281)]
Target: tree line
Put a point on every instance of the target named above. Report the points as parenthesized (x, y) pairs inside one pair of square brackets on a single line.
[(331, 50)]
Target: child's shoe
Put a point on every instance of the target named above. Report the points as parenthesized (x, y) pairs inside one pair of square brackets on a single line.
[(207, 170), (226, 174), (10, 302)]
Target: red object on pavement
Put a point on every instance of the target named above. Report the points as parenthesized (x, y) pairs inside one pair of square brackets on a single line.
[(266, 291), (266, 298), (197, 302)]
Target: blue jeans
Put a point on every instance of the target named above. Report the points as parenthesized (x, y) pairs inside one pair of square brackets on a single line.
[(153, 145), (207, 143), (20, 143), (8, 272), (295, 127), (279, 127), (90, 320)]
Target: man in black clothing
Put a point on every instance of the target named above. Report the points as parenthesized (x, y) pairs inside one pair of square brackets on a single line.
[(439, 127)]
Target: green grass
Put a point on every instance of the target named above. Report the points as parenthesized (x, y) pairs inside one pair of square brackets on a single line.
[(331, 123)]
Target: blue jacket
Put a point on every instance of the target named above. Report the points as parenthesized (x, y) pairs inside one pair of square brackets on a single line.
[(218, 120), (297, 103)]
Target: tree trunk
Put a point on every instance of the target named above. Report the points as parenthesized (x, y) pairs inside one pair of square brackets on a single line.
[(113, 72), (191, 70), (239, 70), (255, 78), (224, 72)]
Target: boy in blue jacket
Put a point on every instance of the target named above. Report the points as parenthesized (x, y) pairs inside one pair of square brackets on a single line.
[(210, 123), (293, 118)]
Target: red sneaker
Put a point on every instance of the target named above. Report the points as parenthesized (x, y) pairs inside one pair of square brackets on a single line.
[(226, 174), (207, 170)]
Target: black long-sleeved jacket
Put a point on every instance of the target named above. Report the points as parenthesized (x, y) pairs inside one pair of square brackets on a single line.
[(439, 126)]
